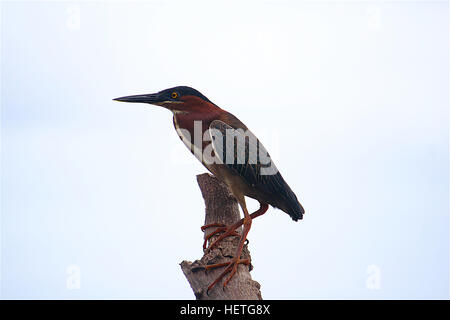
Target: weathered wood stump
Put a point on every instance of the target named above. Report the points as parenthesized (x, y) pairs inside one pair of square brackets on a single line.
[(221, 207)]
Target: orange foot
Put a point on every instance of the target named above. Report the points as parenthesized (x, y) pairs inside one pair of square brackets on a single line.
[(231, 268), (228, 231), (221, 228)]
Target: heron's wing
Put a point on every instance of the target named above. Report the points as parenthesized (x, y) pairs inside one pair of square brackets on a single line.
[(241, 151)]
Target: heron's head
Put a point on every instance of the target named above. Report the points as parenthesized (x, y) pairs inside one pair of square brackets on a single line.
[(179, 99)]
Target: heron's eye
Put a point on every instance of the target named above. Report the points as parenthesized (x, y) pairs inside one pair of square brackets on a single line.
[(174, 95)]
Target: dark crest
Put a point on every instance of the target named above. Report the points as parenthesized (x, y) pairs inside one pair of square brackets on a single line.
[(187, 91)]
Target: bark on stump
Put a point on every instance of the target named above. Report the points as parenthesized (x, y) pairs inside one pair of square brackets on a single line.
[(221, 207)]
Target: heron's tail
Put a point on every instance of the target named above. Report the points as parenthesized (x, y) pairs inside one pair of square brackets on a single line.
[(291, 205), (296, 210)]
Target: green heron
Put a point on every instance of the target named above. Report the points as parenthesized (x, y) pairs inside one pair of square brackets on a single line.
[(233, 154)]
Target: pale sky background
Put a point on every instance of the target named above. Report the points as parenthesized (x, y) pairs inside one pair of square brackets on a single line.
[(350, 98)]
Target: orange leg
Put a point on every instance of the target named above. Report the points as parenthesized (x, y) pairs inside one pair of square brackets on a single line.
[(233, 264)]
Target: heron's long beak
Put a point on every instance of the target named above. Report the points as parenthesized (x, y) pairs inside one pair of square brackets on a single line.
[(154, 98)]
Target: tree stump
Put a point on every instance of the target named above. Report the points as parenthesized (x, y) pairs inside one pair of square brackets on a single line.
[(221, 207)]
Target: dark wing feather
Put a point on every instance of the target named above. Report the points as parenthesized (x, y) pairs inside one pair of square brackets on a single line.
[(241, 151)]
